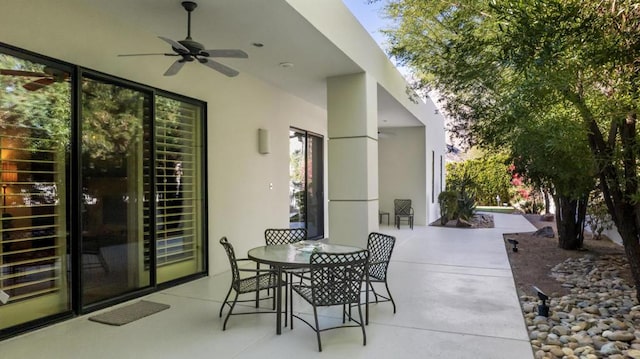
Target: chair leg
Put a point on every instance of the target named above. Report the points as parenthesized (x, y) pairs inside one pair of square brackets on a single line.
[(390, 297), (366, 299), (375, 294), (224, 326), (317, 328), (224, 303), (364, 334)]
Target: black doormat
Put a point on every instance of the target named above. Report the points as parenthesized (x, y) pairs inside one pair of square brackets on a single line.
[(130, 313)]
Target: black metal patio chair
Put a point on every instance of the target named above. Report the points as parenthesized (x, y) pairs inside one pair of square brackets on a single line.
[(380, 247), (335, 279), (402, 210), (262, 280)]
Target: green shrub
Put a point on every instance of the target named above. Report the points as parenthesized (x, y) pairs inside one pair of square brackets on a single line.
[(466, 206), (448, 201)]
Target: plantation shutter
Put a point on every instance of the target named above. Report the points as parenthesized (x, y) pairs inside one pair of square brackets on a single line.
[(176, 168)]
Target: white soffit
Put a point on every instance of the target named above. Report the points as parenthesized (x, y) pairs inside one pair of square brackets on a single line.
[(286, 35)]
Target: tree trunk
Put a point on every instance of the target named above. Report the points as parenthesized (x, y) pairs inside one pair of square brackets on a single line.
[(618, 187), (569, 222), (547, 203), (628, 229)]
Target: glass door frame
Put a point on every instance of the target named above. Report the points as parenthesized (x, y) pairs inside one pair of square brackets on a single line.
[(73, 193), (77, 166), (318, 195), (77, 195)]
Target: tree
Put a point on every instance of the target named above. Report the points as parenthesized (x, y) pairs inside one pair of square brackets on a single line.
[(552, 151), (495, 61)]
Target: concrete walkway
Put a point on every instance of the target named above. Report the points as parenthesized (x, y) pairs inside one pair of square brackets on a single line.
[(453, 287)]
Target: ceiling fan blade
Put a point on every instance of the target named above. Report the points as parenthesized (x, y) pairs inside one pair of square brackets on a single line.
[(176, 45), (38, 84), (223, 69), (174, 68), (238, 54), (22, 73), (158, 53)]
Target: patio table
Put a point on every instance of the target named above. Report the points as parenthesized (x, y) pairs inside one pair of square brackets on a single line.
[(290, 256)]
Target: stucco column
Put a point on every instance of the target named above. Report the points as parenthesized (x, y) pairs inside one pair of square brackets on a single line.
[(352, 111)]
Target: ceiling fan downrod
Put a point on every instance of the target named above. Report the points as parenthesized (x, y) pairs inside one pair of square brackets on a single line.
[(189, 6)]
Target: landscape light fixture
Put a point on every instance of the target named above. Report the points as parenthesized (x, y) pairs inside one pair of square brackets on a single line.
[(514, 243), (543, 308)]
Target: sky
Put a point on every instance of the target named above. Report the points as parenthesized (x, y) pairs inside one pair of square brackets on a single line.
[(370, 16)]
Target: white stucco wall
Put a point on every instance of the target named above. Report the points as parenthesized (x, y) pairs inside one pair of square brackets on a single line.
[(241, 205), (403, 170), (435, 134)]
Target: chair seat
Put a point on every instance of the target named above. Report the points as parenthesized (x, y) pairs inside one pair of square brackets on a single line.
[(264, 281), (304, 291)]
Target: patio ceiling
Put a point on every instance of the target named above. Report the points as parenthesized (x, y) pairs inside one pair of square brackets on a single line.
[(286, 35)]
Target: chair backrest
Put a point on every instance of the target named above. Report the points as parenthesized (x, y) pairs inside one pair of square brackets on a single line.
[(336, 278), (380, 247), (402, 207), (235, 273), (274, 236)]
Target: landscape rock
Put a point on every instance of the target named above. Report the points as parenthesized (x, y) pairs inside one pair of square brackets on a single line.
[(600, 318), (546, 232)]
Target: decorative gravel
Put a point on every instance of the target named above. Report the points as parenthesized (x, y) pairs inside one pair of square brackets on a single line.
[(599, 318)]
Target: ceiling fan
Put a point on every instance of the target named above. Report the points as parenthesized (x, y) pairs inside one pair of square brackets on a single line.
[(48, 76), (190, 50)]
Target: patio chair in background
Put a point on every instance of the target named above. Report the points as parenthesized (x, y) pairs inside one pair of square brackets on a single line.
[(402, 210), (335, 279), (380, 247), (262, 280)]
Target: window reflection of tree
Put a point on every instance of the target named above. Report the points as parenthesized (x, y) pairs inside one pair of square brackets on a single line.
[(112, 127), (35, 118)]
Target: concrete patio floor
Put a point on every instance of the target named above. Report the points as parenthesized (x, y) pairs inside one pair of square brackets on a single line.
[(453, 288)]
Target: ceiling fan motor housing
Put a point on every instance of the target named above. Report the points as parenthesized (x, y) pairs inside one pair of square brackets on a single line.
[(194, 47)]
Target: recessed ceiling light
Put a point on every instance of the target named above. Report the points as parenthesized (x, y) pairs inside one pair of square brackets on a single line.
[(257, 44), (286, 65)]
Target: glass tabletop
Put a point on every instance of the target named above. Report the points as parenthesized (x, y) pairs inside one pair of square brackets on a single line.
[(297, 254)]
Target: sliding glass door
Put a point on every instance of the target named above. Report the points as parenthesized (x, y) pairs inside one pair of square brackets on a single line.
[(113, 167), (306, 186), (35, 137), (103, 195)]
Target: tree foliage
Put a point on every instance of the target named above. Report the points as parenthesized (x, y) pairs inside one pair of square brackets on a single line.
[(490, 174), (570, 65)]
